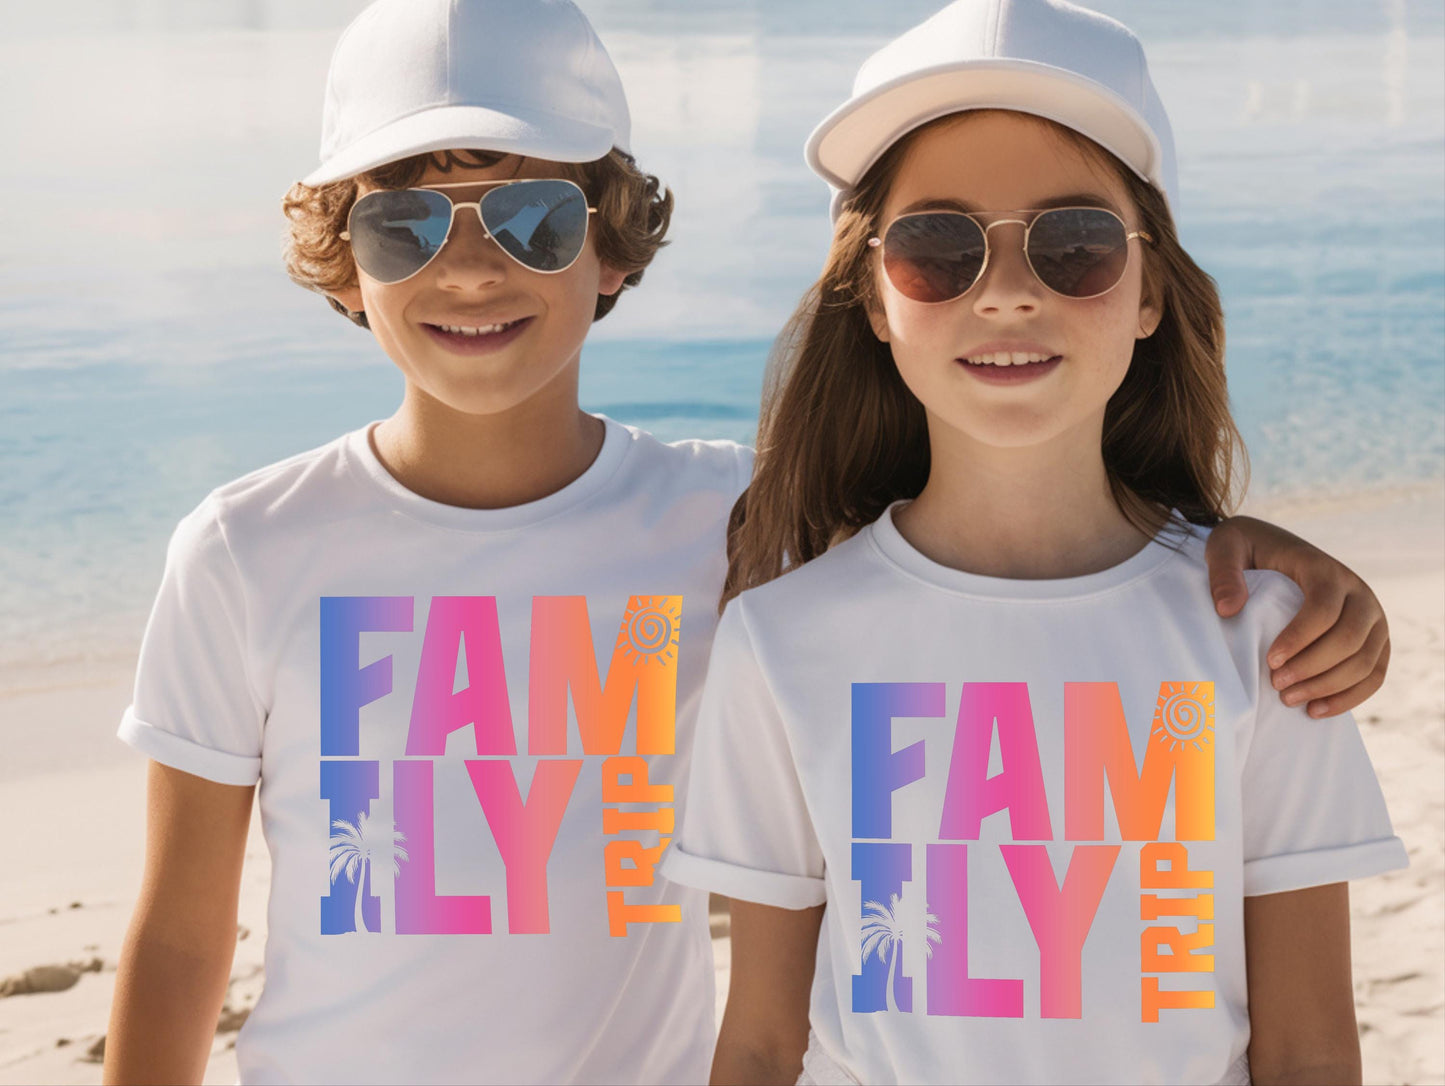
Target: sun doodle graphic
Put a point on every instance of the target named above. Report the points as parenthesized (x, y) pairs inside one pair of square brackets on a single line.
[(650, 629), (1184, 715)]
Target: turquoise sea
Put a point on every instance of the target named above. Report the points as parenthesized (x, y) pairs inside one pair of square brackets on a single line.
[(151, 347)]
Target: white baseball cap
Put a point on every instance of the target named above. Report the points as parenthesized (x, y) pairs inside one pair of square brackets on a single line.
[(526, 77), (1045, 57)]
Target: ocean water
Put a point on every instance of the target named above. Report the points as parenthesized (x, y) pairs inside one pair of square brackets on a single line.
[(151, 347)]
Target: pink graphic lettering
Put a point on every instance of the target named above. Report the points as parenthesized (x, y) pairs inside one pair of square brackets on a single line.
[(972, 794), (1060, 917), (420, 910)]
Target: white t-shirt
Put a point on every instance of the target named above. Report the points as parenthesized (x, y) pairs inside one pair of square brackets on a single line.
[(926, 751), (483, 718)]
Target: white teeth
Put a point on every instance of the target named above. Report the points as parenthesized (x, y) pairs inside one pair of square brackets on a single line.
[(483, 330), (1007, 358)]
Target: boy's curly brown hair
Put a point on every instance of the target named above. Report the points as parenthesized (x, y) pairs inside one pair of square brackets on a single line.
[(633, 214)]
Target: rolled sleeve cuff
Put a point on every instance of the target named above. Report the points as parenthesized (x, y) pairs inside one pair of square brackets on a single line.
[(1320, 867), (744, 883), (169, 749)]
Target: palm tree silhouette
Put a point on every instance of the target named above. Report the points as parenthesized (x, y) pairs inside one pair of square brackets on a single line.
[(883, 932), (357, 848)]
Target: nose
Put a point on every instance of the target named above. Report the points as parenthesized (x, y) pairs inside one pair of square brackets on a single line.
[(1008, 285), (470, 260)]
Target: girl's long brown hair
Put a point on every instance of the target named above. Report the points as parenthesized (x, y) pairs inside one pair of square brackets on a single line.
[(841, 437)]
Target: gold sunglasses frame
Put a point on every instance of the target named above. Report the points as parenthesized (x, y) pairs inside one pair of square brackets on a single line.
[(457, 205), (878, 242)]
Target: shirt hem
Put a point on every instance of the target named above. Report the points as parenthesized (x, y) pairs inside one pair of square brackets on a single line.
[(1320, 867), (171, 750), (744, 883)]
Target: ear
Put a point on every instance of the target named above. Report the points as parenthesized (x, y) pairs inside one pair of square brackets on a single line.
[(350, 297), (879, 321), (1150, 314), (610, 280)]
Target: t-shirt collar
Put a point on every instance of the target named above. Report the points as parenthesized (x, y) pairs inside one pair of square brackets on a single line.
[(888, 541), (361, 459)]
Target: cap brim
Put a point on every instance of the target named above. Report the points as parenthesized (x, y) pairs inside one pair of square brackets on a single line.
[(560, 139), (854, 136)]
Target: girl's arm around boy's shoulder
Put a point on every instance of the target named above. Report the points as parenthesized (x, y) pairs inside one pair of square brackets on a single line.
[(1332, 652), (177, 955)]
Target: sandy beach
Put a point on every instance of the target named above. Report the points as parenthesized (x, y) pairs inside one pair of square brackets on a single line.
[(72, 795)]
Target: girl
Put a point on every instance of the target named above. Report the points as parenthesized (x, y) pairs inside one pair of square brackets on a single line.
[(997, 794)]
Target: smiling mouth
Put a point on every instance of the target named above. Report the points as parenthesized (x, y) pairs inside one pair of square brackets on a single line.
[(473, 331), (1009, 358)]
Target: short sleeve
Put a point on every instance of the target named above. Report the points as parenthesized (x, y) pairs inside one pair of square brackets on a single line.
[(1313, 809), (746, 830), (194, 708)]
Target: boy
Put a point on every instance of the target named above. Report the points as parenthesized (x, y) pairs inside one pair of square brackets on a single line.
[(450, 645)]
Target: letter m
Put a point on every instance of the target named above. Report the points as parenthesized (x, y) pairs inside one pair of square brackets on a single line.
[(643, 669), (1179, 750)]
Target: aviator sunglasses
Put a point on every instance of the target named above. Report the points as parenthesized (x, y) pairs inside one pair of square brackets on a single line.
[(937, 256), (539, 223)]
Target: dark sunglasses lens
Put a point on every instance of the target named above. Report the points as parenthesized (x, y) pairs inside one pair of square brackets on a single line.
[(1078, 251), (541, 224), (395, 232), (934, 256)]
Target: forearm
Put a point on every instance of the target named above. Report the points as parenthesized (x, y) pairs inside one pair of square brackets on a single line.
[(1337, 1072), (765, 1024), (1301, 999), (167, 1000)]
